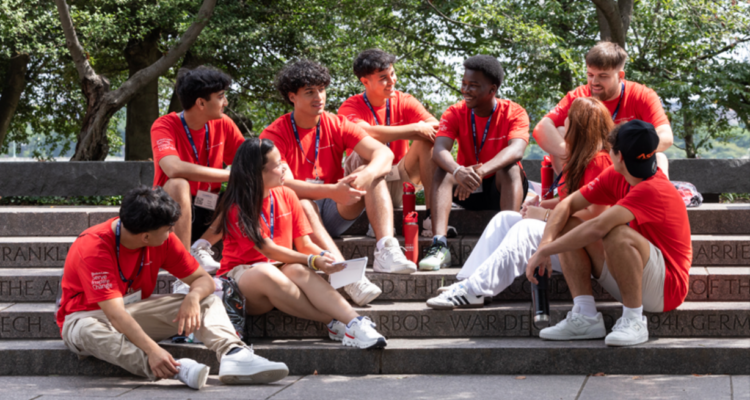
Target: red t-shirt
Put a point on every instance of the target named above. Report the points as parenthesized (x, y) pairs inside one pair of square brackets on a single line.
[(660, 217), (336, 135), (168, 138), (596, 166), (90, 274), (405, 110), (509, 121), (639, 102), (290, 222)]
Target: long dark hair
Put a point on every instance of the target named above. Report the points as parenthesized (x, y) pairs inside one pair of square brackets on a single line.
[(245, 189)]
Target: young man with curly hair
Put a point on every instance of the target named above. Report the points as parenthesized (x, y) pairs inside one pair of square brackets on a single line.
[(312, 143), (492, 135)]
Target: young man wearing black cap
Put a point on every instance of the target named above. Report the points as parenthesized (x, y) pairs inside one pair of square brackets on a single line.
[(639, 250)]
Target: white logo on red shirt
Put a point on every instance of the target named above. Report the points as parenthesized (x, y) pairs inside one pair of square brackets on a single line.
[(100, 281), (499, 138), (593, 183), (165, 144)]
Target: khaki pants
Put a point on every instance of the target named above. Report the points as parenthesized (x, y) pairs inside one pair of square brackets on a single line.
[(395, 187), (89, 333)]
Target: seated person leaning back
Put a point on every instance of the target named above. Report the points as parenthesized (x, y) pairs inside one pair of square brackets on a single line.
[(312, 144), (106, 309), (639, 250), (510, 239), (261, 220), (492, 135)]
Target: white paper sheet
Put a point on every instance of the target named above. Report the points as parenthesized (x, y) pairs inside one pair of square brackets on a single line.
[(352, 272)]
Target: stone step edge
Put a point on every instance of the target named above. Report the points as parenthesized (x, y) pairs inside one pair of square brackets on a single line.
[(512, 356)]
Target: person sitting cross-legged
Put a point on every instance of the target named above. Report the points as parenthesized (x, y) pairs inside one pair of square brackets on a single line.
[(263, 223), (190, 149), (312, 143), (106, 309), (492, 135), (509, 240), (639, 250)]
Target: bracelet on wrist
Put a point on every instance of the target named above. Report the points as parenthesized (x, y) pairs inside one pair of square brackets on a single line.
[(309, 259), (457, 169), (313, 262)]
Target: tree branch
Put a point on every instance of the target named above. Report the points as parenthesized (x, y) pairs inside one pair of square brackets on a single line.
[(611, 13), (439, 79), (447, 18), (723, 49), (85, 71), (153, 71)]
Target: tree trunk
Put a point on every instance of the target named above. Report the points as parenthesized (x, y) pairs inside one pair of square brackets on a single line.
[(189, 62), (15, 82), (102, 104), (143, 108), (614, 19), (688, 132)]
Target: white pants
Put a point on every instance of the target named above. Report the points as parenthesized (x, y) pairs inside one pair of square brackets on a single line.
[(502, 252)]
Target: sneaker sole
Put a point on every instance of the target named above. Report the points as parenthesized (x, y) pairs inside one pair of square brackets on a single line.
[(399, 270), (452, 307), (367, 300), (380, 343), (203, 378), (590, 336), (443, 265), (256, 378), (616, 343)]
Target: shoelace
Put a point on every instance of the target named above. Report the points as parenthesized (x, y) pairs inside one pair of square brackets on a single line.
[(621, 324), (434, 249)]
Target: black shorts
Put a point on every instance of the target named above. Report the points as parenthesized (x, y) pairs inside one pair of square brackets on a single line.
[(489, 199), (202, 219)]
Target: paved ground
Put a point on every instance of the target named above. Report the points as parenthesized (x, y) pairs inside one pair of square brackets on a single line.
[(391, 387)]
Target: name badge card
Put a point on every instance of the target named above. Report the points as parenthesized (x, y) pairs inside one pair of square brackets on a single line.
[(479, 189), (315, 181), (132, 298), (393, 175), (206, 200)]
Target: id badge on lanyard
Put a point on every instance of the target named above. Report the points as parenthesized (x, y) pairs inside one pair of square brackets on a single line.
[(131, 296), (317, 179), (204, 199)]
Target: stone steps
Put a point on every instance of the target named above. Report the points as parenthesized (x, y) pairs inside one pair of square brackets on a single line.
[(415, 319), (508, 356), (34, 285), (50, 251), (72, 220)]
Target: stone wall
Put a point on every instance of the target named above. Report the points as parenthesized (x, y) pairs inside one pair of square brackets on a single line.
[(116, 178)]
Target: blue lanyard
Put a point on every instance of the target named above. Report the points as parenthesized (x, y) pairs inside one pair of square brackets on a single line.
[(192, 143), (375, 116), (117, 250), (617, 109), (478, 150), (317, 144), (270, 226)]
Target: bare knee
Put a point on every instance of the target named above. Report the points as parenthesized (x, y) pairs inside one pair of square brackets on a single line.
[(309, 207), (619, 236), (177, 188), (296, 271)]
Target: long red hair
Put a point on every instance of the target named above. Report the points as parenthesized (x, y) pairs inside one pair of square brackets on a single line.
[(588, 127)]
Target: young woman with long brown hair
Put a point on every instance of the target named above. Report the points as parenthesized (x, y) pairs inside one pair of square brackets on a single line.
[(510, 239)]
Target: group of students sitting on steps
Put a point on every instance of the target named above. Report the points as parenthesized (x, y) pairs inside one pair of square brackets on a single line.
[(617, 218)]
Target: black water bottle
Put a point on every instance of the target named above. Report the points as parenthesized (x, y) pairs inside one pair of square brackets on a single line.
[(539, 298)]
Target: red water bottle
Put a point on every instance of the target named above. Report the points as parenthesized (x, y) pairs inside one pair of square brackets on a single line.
[(547, 177), (409, 198), (411, 236)]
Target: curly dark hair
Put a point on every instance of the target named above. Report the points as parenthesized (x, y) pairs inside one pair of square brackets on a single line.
[(371, 61), (488, 65), (146, 209), (200, 83), (301, 74)]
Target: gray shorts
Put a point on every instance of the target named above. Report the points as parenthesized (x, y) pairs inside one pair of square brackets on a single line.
[(653, 281), (334, 223)]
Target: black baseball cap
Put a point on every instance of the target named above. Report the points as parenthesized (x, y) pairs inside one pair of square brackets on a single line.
[(637, 142)]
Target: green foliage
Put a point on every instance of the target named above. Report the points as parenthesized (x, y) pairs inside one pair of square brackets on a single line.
[(62, 201), (734, 198)]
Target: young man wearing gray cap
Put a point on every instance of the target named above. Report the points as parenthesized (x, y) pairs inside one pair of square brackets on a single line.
[(639, 250)]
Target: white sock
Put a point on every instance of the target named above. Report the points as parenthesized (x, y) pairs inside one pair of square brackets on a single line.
[(381, 242), (584, 305), (441, 238), (632, 313), (201, 243)]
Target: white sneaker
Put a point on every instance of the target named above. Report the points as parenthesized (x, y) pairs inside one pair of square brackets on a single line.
[(362, 334), (204, 255), (245, 367), (337, 331), (362, 292), (457, 296), (370, 231), (192, 373), (574, 327), (391, 260), (628, 332), (427, 229)]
